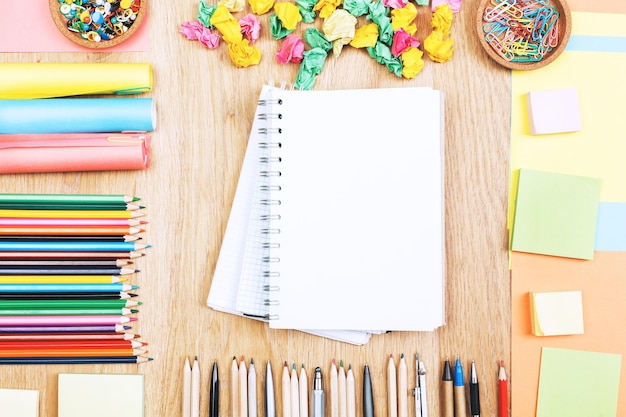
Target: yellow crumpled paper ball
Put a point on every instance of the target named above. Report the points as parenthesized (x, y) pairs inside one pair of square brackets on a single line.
[(404, 18), (288, 14), (339, 29), (260, 7), (227, 25), (438, 44), (412, 62), (365, 36), (243, 54)]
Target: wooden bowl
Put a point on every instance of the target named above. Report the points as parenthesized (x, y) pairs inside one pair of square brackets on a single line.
[(495, 33), (61, 23)]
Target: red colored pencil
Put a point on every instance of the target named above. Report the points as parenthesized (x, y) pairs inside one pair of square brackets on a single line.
[(68, 336), (503, 391), (69, 344), (18, 353)]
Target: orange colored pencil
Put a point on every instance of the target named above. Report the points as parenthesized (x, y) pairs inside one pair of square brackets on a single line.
[(19, 353)]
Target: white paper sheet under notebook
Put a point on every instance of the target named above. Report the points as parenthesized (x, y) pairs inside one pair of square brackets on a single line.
[(361, 209)]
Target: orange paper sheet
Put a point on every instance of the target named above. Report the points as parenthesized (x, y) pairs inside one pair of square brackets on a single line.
[(603, 285), (26, 26)]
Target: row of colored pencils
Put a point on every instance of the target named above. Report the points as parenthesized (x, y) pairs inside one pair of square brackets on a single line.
[(66, 266)]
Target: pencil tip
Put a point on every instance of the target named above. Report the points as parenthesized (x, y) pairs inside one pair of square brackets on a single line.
[(402, 356)]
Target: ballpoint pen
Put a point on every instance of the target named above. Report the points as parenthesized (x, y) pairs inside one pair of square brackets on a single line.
[(474, 392), (460, 407), (214, 405), (392, 389), (420, 377), (317, 396), (368, 395), (447, 389), (270, 400)]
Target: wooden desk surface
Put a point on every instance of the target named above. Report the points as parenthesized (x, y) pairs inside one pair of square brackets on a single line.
[(205, 107)]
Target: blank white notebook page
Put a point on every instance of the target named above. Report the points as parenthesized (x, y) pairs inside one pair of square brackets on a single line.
[(19, 403), (361, 210)]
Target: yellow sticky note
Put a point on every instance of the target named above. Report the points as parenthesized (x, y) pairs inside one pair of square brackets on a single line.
[(556, 313)]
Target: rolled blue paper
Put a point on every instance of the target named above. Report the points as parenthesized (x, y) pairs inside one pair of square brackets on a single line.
[(77, 115)]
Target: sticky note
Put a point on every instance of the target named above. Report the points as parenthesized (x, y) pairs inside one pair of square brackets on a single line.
[(556, 313), (100, 395), (578, 383), (19, 402), (553, 111), (555, 214)]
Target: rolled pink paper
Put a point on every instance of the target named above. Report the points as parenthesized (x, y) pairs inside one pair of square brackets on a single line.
[(60, 152)]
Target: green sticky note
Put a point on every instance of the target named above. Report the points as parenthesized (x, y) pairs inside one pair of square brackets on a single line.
[(555, 214), (578, 383)]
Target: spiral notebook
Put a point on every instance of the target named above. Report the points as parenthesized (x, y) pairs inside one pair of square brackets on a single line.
[(345, 226)]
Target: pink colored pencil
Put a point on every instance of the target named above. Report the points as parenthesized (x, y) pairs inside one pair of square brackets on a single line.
[(82, 320), (61, 222)]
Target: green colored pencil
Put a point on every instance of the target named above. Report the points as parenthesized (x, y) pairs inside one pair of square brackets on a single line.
[(67, 198), (79, 311), (67, 303)]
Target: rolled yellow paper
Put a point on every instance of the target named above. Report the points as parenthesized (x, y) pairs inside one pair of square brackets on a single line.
[(48, 80)]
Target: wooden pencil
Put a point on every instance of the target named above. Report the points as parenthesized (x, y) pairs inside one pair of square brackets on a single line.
[(68, 336), (68, 230), (68, 222), (38, 198), (117, 328), (8, 353), (51, 360), (70, 344), (59, 270), (80, 295), (69, 255)]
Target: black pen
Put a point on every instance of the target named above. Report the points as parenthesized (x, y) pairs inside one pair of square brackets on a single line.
[(317, 408), (368, 395), (214, 406), (474, 393), (270, 404)]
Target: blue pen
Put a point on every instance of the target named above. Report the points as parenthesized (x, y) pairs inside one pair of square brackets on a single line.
[(460, 407)]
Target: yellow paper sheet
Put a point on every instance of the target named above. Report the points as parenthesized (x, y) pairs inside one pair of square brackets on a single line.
[(596, 151)]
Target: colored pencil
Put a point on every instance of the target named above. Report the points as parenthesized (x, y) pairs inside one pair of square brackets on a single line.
[(68, 222), (70, 311), (29, 304), (86, 295), (80, 214), (61, 206), (69, 255), (117, 328), (86, 320), (7, 353), (35, 198), (68, 336), (70, 344), (51, 288), (68, 230), (74, 360), (65, 263), (72, 246), (60, 279), (67, 238), (59, 270)]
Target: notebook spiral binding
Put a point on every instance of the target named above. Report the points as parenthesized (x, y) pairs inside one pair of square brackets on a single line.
[(270, 173)]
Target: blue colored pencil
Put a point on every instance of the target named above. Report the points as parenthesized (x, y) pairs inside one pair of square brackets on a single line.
[(52, 288), (49, 360), (88, 246)]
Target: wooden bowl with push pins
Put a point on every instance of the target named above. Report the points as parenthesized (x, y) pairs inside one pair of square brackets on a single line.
[(97, 23), (523, 34)]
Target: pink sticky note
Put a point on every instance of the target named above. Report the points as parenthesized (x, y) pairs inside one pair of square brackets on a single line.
[(553, 111), (28, 27)]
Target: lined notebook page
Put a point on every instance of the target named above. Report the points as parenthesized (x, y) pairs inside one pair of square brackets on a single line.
[(361, 210)]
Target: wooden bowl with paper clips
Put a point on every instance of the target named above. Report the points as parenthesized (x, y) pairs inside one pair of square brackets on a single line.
[(98, 24), (523, 34)]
